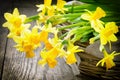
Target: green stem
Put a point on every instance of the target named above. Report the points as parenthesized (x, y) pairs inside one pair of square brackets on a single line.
[(72, 25), (31, 18), (63, 35), (72, 14)]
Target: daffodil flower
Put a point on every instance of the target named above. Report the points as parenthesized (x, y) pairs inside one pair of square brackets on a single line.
[(45, 30), (28, 41), (107, 33), (71, 50), (96, 24), (17, 31), (14, 20), (54, 42), (49, 57), (15, 23), (60, 5), (51, 51), (108, 60), (24, 46)]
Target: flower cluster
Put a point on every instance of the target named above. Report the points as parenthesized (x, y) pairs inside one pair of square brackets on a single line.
[(27, 40), (80, 25)]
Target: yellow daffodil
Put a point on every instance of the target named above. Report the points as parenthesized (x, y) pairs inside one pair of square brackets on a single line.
[(71, 50), (14, 20), (28, 41), (60, 5), (24, 46), (15, 23), (108, 60), (45, 30), (94, 18), (17, 31), (44, 36), (107, 33), (49, 57), (53, 43), (51, 51)]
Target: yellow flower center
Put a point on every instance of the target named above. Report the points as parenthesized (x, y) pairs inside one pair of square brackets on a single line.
[(108, 33), (17, 22)]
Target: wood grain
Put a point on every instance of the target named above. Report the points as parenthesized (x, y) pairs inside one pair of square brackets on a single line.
[(3, 32), (3, 39)]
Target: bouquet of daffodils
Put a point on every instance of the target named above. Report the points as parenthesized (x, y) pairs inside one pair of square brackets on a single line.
[(86, 22)]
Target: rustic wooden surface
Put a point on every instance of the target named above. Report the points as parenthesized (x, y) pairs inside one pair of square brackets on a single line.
[(14, 65), (3, 33)]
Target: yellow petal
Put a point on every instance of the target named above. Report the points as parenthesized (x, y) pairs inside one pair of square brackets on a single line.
[(86, 16), (44, 35), (16, 12), (60, 4), (99, 13), (51, 62), (8, 16), (47, 2), (103, 40), (30, 54), (54, 52), (7, 24), (109, 63), (71, 59), (112, 38), (51, 11), (112, 26), (48, 45), (97, 25)]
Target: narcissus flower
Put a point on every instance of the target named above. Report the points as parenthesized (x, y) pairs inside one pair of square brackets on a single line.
[(49, 57), (45, 30), (70, 54), (108, 60), (60, 5), (94, 18), (14, 20), (17, 31), (28, 42), (15, 23), (107, 33)]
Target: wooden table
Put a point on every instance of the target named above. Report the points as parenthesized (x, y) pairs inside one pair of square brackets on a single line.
[(14, 65)]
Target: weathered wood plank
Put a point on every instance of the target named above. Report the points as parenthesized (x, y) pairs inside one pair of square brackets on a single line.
[(3, 32), (3, 39)]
